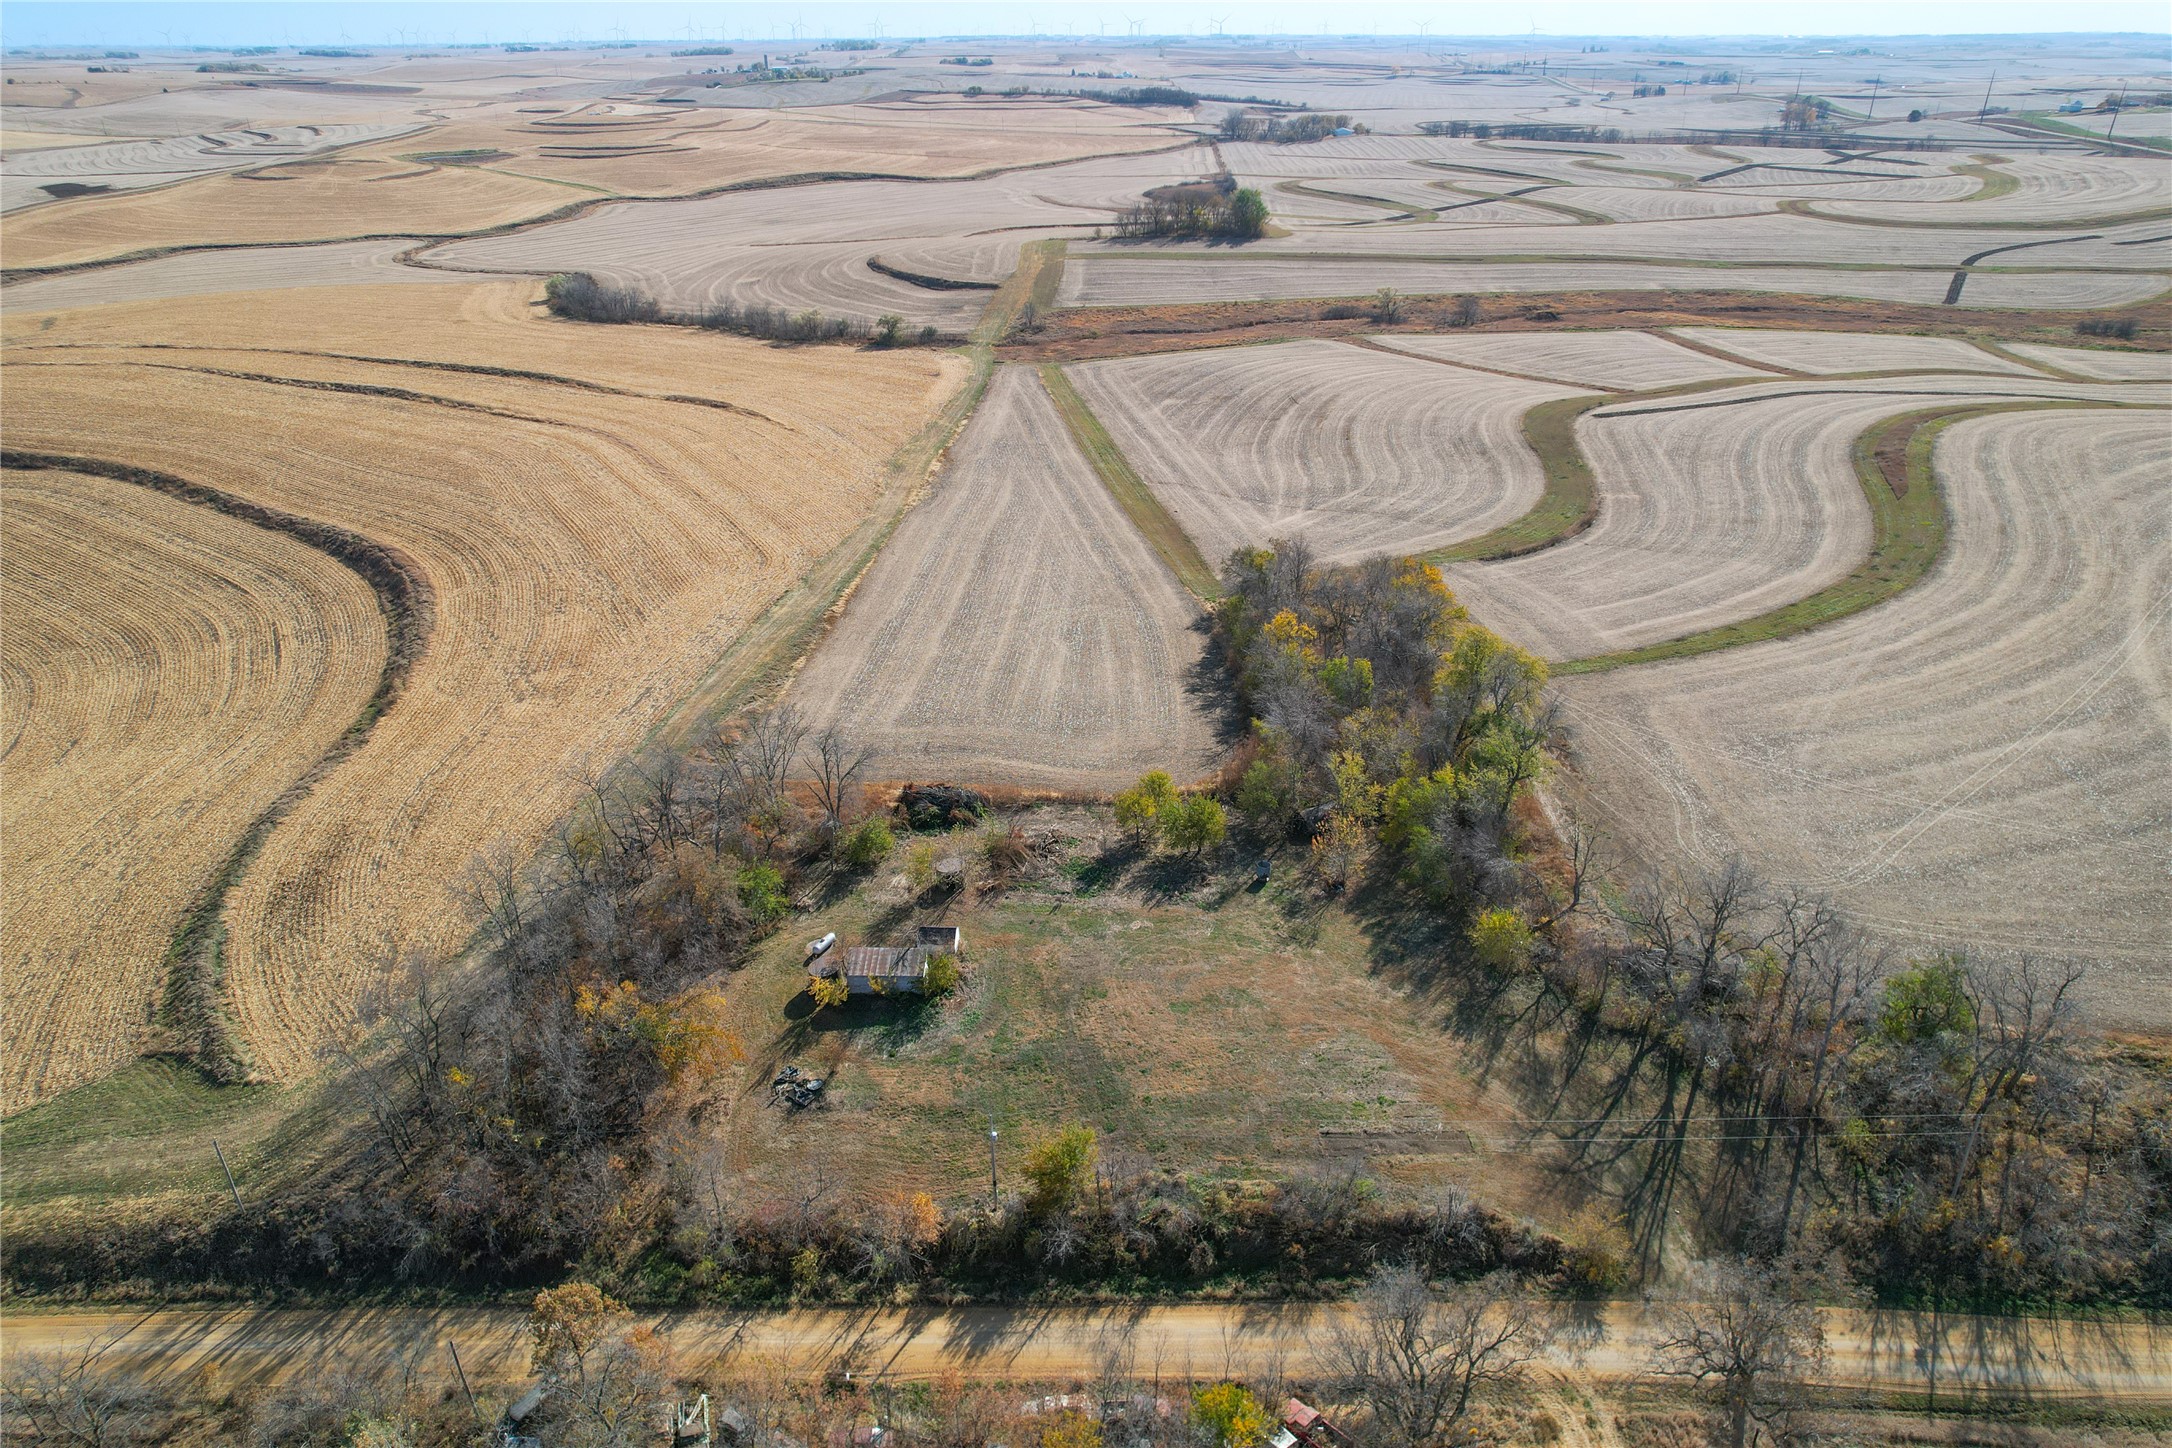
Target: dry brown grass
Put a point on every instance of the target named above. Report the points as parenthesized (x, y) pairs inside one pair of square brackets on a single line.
[(168, 671), (591, 543)]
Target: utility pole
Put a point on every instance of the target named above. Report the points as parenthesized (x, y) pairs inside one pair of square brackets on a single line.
[(1873, 98), (1985, 108), (227, 1169), (2116, 110), (991, 1164)]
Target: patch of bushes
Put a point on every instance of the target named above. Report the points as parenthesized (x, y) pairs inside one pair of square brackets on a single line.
[(2121, 327), (584, 299)]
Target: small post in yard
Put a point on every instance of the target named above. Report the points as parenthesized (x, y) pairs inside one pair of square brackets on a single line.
[(227, 1169), (454, 1349)]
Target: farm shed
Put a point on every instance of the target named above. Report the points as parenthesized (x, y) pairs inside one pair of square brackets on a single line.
[(876, 969)]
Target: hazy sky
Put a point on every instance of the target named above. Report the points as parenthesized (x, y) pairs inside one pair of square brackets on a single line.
[(47, 22)]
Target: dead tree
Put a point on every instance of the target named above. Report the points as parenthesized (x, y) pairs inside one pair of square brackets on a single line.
[(1415, 1356)]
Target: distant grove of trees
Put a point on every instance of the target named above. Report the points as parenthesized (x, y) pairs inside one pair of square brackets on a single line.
[(1207, 209)]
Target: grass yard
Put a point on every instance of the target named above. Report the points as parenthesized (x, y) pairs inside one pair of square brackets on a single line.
[(137, 1144), (1187, 1016)]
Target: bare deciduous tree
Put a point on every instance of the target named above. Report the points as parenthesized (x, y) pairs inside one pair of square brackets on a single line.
[(837, 763), (1415, 1356), (1754, 1336), (77, 1398)]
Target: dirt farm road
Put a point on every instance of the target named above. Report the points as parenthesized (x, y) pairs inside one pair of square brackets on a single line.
[(2035, 1357)]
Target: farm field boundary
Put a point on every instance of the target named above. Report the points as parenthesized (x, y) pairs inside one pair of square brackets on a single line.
[(1570, 503), (1079, 334), (190, 1000), (1908, 536), (765, 655), (1146, 512), (1034, 283)]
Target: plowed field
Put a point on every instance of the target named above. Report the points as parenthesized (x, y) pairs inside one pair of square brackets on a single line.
[(207, 273), (808, 246), (591, 545), (1016, 629), (1354, 451), (1712, 509), (1632, 361), (167, 672), (1852, 351), (1985, 761)]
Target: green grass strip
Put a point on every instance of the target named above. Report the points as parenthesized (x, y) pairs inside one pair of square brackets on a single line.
[(1402, 211), (1036, 280), (2044, 121), (1570, 501), (1797, 206), (1908, 536), (1130, 491), (1996, 183)]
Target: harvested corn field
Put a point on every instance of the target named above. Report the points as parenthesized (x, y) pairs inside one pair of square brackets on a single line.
[(1017, 629), (669, 151), (168, 672), (2111, 366), (133, 165), (335, 199), (596, 514), (1355, 451), (1984, 762)]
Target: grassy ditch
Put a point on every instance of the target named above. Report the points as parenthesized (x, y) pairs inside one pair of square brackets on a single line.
[(1401, 211), (1033, 283), (1570, 503), (1908, 536), (1131, 492), (1796, 206), (1996, 183), (2044, 121), (192, 1003)]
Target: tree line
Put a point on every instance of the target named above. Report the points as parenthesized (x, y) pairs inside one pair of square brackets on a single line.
[(1753, 1063), (582, 298)]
